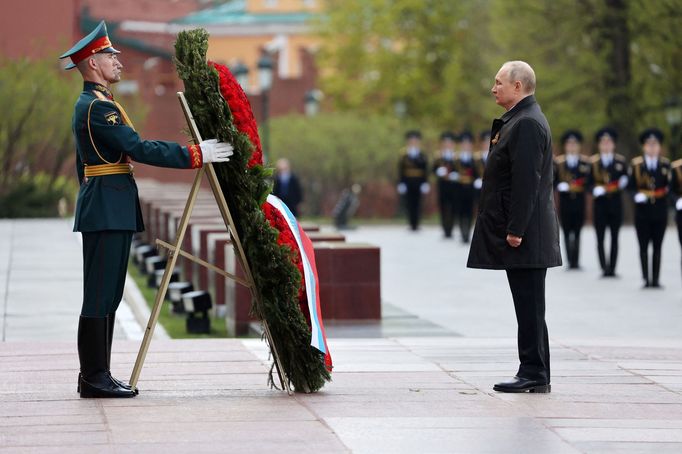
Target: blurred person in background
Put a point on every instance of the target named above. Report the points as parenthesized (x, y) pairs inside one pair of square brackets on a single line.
[(444, 168), (571, 170), (413, 177), (608, 177), (287, 187), (649, 182), (465, 167)]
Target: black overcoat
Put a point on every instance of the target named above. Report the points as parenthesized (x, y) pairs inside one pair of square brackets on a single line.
[(517, 194)]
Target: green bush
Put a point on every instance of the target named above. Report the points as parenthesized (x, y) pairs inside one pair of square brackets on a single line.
[(34, 196), (332, 151)]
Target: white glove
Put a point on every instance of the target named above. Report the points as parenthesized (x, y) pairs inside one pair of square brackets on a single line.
[(678, 204), (640, 198), (563, 187), (425, 188), (623, 182), (214, 151), (598, 191), (478, 183), (402, 188), (454, 176), (441, 171)]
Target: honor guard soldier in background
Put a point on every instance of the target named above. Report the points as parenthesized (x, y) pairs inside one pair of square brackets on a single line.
[(108, 209), (444, 168), (608, 177), (466, 175), (676, 194), (649, 181), (412, 177), (570, 178), (481, 158)]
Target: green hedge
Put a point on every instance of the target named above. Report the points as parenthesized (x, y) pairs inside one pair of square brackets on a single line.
[(35, 196)]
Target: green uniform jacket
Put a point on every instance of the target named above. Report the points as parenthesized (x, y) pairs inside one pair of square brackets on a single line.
[(110, 202)]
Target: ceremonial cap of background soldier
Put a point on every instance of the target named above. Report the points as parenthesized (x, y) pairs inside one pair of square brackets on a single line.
[(607, 131), (95, 42), (413, 134), (651, 133), (466, 135), (448, 135), (571, 134)]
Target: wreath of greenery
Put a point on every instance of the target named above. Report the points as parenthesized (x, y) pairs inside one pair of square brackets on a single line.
[(245, 188)]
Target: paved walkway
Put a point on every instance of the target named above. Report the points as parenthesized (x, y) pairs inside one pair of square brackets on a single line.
[(426, 275), (616, 349), (41, 282), (404, 395)]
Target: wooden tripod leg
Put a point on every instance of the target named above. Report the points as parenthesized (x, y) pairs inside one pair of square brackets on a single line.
[(163, 288), (229, 222)]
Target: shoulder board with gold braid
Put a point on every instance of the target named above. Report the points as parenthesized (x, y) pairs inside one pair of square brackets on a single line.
[(637, 160), (664, 160), (560, 159), (619, 157)]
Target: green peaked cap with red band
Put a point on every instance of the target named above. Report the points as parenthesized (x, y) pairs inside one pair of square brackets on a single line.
[(96, 41)]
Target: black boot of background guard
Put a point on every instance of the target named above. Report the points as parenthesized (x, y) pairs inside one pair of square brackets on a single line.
[(95, 379), (111, 321)]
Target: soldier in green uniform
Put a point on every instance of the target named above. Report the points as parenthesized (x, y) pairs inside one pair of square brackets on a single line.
[(444, 168), (608, 177), (413, 177), (649, 181), (108, 210), (571, 170)]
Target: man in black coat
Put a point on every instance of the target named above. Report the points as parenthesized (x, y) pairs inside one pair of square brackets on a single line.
[(571, 170), (517, 228), (650, 176), (287, 187)]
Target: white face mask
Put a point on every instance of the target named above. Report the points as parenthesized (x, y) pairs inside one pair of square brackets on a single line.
[(465, 156), (413, 151), (448, 154)]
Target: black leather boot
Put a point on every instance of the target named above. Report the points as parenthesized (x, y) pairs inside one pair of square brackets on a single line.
[(95, 379), (111, 321)]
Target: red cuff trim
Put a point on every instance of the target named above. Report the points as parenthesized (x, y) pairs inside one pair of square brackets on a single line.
[(196, 158)]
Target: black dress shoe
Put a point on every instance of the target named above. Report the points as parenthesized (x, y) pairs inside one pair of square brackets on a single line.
[(523, 385)]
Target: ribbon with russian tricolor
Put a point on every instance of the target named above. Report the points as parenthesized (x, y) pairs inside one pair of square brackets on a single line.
[(312, 287)]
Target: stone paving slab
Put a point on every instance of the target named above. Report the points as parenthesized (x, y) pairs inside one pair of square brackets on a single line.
[(388, 396)]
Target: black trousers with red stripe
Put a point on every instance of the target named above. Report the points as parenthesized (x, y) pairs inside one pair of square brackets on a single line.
[(105, 263)]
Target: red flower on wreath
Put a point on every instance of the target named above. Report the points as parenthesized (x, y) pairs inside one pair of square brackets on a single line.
[(242, 115), (243, 119)]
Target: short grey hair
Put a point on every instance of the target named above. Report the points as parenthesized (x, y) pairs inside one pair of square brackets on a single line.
[(521, 71)]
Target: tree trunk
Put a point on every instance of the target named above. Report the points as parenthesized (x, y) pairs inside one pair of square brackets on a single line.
[(621, 110)]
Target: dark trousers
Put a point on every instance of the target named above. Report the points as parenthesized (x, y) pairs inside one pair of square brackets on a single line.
[(465, 212), (650, 231), (528, 290), (678, 221), (447, 205), (608, 212), (105, 262), (572, 211), (413, 199)]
